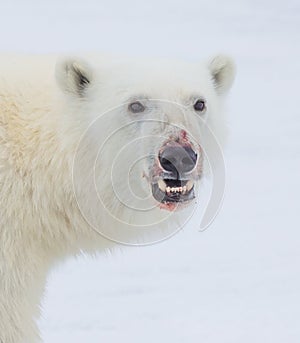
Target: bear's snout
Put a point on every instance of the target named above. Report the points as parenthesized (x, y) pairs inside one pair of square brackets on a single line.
[(178, 159)]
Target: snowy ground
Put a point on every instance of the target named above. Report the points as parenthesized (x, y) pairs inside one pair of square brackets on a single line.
[(238, 281)]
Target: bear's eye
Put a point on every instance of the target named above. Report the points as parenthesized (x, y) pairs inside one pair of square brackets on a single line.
[(199, 105), (136, 107)]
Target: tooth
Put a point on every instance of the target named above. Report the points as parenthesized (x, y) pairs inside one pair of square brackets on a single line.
[(162, 185), (172, 189), (168, 189), (189, 185), (180, 189)]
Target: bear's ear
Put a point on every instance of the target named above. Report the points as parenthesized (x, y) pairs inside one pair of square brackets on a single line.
[(73, 76), (222, 70)]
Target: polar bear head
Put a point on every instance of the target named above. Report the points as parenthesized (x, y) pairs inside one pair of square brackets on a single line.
[(145, 130)]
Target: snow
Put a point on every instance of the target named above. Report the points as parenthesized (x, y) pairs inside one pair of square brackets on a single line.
[(239, 280)]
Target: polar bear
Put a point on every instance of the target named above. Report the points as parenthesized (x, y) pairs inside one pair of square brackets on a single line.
[(95, 152)]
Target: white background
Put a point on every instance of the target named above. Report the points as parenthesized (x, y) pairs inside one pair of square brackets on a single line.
[(239, 281)]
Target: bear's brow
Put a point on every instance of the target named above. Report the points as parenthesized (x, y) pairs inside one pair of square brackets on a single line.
[(139, 97)]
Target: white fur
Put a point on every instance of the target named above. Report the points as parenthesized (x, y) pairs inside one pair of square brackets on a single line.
[(49, 207)]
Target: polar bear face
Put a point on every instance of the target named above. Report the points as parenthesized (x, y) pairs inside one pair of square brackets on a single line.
[(155, 122)]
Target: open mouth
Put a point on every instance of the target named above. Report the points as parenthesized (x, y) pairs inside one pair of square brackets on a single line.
[(173, 191), (174, 172)]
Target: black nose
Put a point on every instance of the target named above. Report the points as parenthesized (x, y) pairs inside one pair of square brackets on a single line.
[(178, 159)]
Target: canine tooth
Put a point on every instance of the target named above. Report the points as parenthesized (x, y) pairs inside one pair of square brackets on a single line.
[(189, 185), (162, 185)]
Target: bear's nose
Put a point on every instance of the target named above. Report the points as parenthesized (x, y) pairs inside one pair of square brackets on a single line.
[(178, 159)]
